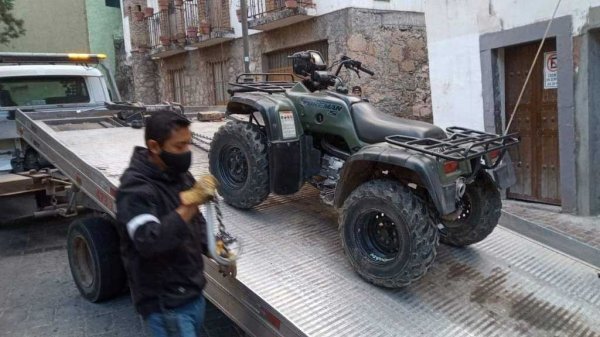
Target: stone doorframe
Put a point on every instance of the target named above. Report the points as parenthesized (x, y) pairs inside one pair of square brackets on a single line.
[(492, 56)]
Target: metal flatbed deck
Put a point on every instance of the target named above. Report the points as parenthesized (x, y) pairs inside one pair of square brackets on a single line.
[(294, 280)]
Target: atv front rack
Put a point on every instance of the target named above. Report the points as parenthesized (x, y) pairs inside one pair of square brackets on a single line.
[(462, 144), (242, 84)]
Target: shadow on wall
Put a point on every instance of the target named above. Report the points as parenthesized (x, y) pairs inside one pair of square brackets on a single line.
[(123, 71)]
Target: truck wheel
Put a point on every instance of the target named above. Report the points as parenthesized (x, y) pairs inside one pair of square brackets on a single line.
[(238, 159), (481, 208), (388, 233), (94, 258)]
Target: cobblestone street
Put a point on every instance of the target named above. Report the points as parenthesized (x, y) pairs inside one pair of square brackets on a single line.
[(39, 298)]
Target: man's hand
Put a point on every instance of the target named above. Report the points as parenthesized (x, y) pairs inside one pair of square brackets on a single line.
[(230, 270), (203, 191)]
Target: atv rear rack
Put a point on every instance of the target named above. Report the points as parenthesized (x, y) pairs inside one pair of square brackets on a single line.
[(462, 144), (243, 85)]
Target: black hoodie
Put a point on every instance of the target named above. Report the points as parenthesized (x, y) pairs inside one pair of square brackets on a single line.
[(162, 254)]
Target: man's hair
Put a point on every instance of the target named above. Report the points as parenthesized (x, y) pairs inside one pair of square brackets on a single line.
[(161, 124)]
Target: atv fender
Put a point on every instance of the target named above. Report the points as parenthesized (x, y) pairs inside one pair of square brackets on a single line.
[(291, 159), (417, 168)]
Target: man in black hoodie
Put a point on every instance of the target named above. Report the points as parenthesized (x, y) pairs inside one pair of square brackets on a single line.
[(162, 239)]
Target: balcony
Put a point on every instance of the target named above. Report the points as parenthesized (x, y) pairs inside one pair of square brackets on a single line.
[(272, 14), (187, 26)]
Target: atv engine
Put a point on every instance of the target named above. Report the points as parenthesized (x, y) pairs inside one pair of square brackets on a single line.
[(330, 171)]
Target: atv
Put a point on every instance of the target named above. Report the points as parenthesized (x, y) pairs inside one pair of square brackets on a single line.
[(400, 185)]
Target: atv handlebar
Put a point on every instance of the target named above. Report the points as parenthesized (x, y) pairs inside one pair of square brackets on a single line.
[(351, 64), (365, 70)]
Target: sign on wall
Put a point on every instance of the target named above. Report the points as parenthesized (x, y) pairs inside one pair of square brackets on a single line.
[(550, 70)]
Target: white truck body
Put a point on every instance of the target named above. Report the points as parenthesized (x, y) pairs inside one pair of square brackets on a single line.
[(96, 87)]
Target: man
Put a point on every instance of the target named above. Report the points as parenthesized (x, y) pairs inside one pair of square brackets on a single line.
[(357, 91), (162, 238)]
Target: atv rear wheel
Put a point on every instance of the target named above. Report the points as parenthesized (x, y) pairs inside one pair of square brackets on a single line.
[(238, 159), (388, 233), (479, 214)]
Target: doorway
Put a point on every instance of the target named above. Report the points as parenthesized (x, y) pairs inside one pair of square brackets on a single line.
[(536, 159)]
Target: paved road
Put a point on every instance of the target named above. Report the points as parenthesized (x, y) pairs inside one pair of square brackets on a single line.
[(38, 296)]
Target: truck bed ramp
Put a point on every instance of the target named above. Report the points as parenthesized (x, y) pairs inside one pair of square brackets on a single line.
[(294, 280)]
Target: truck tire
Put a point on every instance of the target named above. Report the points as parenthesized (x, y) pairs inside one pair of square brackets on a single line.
[(238, 159), (388, 233), (94, 258), (482, 207)]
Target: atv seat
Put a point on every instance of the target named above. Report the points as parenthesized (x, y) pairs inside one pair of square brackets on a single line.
[(372, 125)]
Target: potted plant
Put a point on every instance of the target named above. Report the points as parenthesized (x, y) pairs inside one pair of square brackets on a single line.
[(148, 12), (163, 5), (192, 32), (138, 16), (204, 27), (291, 4), (165, 40)]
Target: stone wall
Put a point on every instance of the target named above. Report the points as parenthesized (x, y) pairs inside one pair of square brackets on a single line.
[(123, 72), (145, 79), (390, 43)]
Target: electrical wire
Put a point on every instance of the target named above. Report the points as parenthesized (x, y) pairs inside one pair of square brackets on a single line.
[(537, 54)]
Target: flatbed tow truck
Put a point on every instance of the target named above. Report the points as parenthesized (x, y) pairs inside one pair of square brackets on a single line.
[(293, 278)]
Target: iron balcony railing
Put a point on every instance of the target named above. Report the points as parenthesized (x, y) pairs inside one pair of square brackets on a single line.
[(159, 29), (191, 18), (183, 24), (261, 8)]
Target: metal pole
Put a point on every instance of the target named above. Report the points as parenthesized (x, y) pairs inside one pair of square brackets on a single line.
[(244, 8)]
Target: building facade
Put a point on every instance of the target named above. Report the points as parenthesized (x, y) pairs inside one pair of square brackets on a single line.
[(480, 53), (187, 51), (69, 26)]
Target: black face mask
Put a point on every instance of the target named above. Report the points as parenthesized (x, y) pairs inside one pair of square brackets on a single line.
[(177, 163)]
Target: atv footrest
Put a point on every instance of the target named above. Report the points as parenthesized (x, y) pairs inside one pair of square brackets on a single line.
[(462, 143)]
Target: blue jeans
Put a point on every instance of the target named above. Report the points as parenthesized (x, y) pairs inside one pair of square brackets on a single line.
[(183, 321)]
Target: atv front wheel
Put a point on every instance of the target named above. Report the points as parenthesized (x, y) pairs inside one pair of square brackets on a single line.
[(238, 159), (388, 233), (479, 212)]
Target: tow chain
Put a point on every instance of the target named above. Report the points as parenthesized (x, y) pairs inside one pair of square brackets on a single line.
[(226, 247), (200, 141)]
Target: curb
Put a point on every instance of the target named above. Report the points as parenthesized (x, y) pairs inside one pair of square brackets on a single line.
[(551, 238)]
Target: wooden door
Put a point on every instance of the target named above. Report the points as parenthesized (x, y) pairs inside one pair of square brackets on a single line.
[(220, 83), (536, 159)]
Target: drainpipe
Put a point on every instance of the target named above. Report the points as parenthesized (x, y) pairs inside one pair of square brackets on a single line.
[(244, 8)]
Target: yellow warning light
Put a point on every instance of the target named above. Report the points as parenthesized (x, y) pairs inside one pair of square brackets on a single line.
[(85, 57)]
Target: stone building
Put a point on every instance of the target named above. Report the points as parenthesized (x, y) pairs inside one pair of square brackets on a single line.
[(480, 53), (187, 51)]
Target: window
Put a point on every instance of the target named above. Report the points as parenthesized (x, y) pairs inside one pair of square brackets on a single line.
[(220, 82), (28, 91), (176, 85), (113, 3)]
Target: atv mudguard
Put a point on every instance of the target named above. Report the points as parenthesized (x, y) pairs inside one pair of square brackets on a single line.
[(416, 167), (291, 160), (424, 169)]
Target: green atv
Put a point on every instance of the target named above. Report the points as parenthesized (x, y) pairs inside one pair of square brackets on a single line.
[(400, 185)]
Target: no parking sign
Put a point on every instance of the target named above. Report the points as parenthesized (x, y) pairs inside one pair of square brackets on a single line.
[(550, 70)]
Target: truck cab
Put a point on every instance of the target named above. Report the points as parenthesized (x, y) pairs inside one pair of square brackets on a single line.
[(49, 83)]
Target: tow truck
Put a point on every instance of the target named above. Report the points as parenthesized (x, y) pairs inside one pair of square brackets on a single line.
[(293, 278)]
